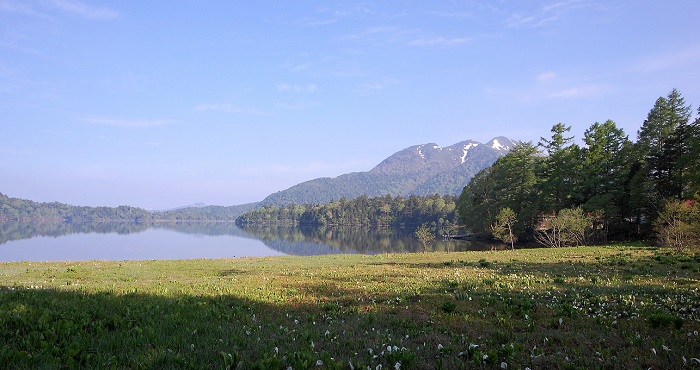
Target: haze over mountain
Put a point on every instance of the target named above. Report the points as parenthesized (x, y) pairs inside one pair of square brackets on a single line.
[(417, 170)]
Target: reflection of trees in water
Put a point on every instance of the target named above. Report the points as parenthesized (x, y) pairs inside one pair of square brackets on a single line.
[(300, 248), (329, 239), (286, 239), (10, 231), (203, 228), (345, 239)]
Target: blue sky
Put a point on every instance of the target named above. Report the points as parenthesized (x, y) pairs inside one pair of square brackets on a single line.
[(159, 104)]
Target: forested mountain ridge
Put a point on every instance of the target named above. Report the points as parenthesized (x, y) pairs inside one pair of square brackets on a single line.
[(361, 211), (417, 170), (17, 209)]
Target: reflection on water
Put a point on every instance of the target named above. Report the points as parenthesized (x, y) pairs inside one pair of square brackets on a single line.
[(10, 231), (185, 240), (343, 239)]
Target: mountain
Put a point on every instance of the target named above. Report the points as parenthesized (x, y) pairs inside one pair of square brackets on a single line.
[(200, 211), (196, 205), (417, 170)]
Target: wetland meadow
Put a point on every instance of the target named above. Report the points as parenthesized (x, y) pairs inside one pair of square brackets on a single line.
[(611, 307)]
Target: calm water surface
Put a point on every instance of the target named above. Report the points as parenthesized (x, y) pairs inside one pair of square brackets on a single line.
[(146, 245), (117, 242)]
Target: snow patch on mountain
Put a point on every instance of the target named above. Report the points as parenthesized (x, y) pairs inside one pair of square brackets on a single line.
[(420, 152), (497, 145), (465, 150)]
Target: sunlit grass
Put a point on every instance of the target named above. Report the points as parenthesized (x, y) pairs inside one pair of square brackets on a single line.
[(577, 308)]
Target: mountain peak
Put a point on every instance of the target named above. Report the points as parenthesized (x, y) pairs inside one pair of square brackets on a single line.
[(423, 169), (501, 143)]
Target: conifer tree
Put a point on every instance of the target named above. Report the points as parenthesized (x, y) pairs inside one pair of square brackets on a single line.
[(605, 171), (559, 171), (661, 140)]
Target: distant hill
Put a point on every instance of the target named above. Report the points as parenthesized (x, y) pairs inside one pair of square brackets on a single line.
[(200, 212), (17, 209), (196, 205), (417, 170)]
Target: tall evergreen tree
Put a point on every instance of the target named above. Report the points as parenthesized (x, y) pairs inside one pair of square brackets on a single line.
[(515, 183), (692, 183), (605, 171), (661, 142), (508, 183), (684, 147), (559, 171), (477, 203)]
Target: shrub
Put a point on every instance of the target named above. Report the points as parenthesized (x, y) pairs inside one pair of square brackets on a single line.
[(571, 226), (678, 225)]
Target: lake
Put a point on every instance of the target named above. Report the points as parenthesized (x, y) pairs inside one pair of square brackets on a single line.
[(192, 240)]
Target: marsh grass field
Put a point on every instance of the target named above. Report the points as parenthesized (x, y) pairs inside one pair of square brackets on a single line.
[(614, 307)]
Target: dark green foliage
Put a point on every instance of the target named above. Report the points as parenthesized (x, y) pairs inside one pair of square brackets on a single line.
[(449, 306), (475, 207), (660, 319), (510, 182), (663, 142), (606, 173), (361, 211), (16, 209), (619, 186), (678, 225), (690, 159), (22, 210), (558, 169), (207, 213)]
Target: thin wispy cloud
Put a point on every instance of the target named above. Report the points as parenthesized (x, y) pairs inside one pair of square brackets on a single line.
[(583, 91), (374, 31), (547, 76), (440, 41), (296, 103), (16, 7), (446, 14), (553, 90), (564, 6), (296, 88), (373, 87), (228, 108), (685, 57), (517, 20), (299, 67), (294, 67), (80, 9), (117, 122), (346, 12), (546, 14), (318, 23)]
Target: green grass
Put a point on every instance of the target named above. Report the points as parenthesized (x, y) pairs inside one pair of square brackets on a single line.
[(618, 307)]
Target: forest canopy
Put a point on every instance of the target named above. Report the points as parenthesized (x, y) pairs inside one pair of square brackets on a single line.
[(361, 211), (616, 188)]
